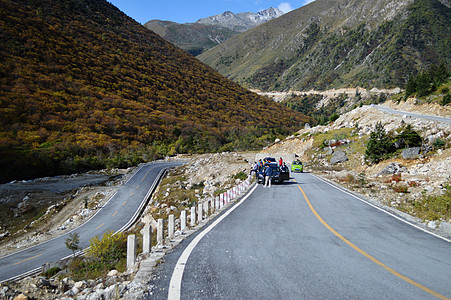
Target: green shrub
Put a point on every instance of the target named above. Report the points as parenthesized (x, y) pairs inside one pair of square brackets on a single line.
[(401, 188), (334, 117), (438, 143), (446, 100), (379, 145), (110, 248), (51, 272), (410, 136), (240, 175), (104, 254)]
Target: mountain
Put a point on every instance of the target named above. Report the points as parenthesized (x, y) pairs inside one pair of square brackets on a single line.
[(242, 22), (209, 32), (339, 43), (194, 38), (83, 86)]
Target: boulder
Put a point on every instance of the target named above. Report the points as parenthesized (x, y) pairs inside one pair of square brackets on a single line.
[(426, 148), (411, 153), (338, 157), (393, 168), (329, 151), (113, 273), (399, 144)]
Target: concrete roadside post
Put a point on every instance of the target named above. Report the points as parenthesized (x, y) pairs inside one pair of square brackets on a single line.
[(182, 220), (147, 237), (199, 212), (160, 232), (171, 226), (193, 216), (217, 206), (131, 251), (206, 207)]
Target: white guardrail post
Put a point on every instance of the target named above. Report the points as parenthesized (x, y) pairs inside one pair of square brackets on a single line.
[(182, 220), (147, 238), (171, 226), (160, 232), (131, 251)]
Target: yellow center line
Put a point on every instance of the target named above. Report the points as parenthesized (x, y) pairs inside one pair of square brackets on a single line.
[(100, 226), (428, 290), (124, 202), (131, 194), (27, 259), (145, 176), (115, 213), (137, 186)]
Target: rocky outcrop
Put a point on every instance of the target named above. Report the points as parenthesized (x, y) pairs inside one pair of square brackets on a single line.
[(338, 157), (411, 153), (393, 168)]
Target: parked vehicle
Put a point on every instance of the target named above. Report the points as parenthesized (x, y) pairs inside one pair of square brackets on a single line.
[(270, 159), (297, 166), (277, 176), (284, 174)]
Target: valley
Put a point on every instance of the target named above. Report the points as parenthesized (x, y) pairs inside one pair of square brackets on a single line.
[(92, 102)]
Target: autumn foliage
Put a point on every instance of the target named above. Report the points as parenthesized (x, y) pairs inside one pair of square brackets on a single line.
[(83, 86)]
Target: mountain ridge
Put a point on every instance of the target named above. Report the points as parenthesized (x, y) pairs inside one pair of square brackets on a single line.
[(86, 87), (211, 31), (331, 44)]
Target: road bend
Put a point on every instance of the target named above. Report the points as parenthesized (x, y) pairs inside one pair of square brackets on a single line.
[(307, 239), (116, 215)]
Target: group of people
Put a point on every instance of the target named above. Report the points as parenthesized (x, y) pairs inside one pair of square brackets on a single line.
[(263, 166)]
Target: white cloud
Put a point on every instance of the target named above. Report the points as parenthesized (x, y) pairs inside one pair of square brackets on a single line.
[(285, 7)]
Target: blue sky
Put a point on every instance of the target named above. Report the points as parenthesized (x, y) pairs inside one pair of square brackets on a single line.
[(188, 11)]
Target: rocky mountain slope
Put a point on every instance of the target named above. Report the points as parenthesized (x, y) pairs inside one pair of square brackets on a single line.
[(86, 87), (341, 43), (211, 31), (242, 22)]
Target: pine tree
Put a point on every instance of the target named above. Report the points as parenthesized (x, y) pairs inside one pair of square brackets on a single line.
[(379, 145)]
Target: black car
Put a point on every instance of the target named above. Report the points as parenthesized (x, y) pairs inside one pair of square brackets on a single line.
[(277, 175)]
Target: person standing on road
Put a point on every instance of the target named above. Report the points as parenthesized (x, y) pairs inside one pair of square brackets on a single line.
[(268, 175), (280, 162), (254, 169)]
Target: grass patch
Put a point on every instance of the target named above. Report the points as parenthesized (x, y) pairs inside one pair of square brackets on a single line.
[(337, 134), (435, 207), (240, 175)]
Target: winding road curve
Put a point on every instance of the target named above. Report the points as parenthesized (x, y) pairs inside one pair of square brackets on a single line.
[(117, 214), (413, 115), (306, 239)]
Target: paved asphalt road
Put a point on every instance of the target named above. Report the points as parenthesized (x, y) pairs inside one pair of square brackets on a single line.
[(409, 114), (116, 214), (280, 244)]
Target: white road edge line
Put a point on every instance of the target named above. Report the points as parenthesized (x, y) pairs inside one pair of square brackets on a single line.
[(383, 210), (175, 285)]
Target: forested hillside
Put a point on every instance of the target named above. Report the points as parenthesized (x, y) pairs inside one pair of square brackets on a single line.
[(84, 86), (339, 43)]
